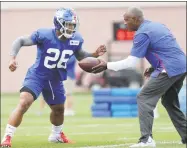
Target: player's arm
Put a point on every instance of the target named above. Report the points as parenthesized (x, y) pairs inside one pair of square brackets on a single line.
[(16, 46), (20, 42), (81, 54), (35, 39)]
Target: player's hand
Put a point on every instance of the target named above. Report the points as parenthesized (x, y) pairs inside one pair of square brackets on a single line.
[(100, 67), (100, 50), (148, 72), (13, 65)]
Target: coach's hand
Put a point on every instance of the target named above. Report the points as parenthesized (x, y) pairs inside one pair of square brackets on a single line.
[(13, 65), (100, 67), (148, 72), (100, 51)]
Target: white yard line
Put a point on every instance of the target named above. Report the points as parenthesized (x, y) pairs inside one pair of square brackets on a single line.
[(100, 125), (84, 133), (125, 138), (127, 144), (168, 142), (106, 146), (89, 133)]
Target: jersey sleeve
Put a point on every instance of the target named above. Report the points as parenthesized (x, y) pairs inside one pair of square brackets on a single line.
[(37, 37), (140, 45)]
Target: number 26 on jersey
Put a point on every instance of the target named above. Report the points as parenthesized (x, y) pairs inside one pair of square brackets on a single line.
[(57, 63)]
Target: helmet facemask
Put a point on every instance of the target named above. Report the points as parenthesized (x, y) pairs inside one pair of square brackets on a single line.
[(68, 28)]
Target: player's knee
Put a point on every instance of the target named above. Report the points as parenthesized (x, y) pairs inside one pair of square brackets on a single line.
[(58, 111), (26, 100)]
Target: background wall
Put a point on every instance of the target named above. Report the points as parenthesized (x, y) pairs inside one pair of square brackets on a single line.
[(95, 27)]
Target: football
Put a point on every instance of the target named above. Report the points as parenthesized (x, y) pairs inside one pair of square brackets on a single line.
[(88, 63)]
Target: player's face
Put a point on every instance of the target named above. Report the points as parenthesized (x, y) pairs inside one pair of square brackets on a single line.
[(70, 27), (131, 22)]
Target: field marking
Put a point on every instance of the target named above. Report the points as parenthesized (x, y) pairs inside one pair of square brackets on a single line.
[(97, 125), (169, 142), (125, 138), (84, 133), (106, 146), (127, 144)]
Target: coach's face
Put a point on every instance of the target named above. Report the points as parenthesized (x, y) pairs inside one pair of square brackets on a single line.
[(131, 22)]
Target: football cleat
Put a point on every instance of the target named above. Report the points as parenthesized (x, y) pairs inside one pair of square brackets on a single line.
[(6, 142), (60, 138)]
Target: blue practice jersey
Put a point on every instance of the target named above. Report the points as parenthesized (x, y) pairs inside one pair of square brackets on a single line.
[(71, 68), (53, 54)]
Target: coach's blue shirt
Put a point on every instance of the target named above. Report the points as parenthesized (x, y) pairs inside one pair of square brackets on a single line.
[(155, 42)]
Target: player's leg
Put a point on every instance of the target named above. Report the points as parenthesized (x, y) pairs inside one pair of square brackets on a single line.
[(147, 100), (42, 105), (170, 101), (57, 120), (28, 94), (26, 99), (69, 89), (54, 96)]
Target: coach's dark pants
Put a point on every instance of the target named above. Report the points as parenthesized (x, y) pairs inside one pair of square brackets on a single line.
[(154, 89)]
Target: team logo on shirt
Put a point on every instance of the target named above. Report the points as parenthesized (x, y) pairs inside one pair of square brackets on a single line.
[(74, 42)]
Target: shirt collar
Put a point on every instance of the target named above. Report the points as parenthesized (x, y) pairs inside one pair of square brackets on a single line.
[(143, 23)]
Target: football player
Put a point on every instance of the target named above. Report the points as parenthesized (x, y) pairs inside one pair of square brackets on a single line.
[(54, 48)]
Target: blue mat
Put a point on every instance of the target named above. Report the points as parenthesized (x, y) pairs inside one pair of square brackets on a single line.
[(115, 99), (124, 92), (101, 114), (100, 106), (103, 91), (134, 107), (121, 114), (116, 92), (134, 113), (120, 107)]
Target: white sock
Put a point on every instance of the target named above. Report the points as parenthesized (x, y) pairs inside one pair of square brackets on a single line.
[(56, 129), (10, 130)]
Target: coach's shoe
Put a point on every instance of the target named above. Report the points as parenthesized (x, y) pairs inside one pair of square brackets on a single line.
[(60, 138), (6, 142), (149, 143), (184, 141)]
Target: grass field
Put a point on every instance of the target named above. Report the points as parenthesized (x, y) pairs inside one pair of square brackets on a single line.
[(88, 132)]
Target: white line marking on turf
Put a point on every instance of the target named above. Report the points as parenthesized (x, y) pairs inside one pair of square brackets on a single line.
[(125, 138), (105, 125), (107, 146), (86, 133), (119, 145), (168, 142)]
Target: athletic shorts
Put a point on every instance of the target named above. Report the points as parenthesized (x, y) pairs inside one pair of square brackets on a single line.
[(52, 90)]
